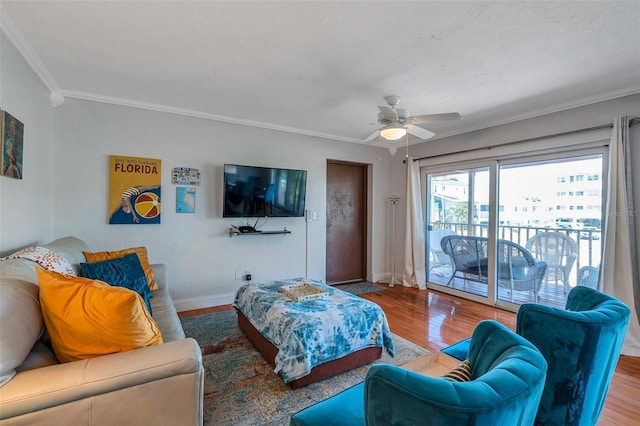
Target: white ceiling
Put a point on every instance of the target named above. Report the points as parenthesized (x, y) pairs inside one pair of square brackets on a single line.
[(322, 68)]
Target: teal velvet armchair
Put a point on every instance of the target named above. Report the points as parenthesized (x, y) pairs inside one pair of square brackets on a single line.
[(581, 345), (508, 375)]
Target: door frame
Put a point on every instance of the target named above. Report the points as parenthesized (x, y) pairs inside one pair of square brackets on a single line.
[(495, 163), (365, 168)]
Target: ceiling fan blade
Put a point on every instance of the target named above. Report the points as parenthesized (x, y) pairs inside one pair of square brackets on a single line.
[(372, 136), (388, 112), (420, 132), (402, 113), (433, 118)]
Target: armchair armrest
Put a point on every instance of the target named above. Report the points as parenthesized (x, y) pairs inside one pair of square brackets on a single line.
[(508, 376), (392, 392), (55, 385), (397, 396)]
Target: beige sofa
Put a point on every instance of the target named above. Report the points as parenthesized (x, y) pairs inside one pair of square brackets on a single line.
[(155, 385)]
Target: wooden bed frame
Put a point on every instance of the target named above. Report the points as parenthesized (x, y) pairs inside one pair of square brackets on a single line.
[(269, 352)]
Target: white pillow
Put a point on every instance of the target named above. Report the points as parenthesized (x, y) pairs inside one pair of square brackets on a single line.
[(48, 259)]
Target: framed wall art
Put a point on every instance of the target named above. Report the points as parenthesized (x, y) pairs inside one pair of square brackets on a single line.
[(185, 200), (185, 176), (134, 190), (11, 141)]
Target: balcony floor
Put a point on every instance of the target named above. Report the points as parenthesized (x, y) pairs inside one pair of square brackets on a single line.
[(551, 294)]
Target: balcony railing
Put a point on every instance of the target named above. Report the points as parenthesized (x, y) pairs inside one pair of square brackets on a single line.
[(588, 241)]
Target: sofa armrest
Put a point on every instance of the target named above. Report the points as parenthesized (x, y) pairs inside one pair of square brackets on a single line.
[(160, 274), (53, 386)]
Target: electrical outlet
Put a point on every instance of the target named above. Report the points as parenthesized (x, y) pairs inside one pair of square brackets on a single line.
[(237, 276)]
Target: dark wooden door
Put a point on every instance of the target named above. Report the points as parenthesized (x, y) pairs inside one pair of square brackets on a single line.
[(346, 222)]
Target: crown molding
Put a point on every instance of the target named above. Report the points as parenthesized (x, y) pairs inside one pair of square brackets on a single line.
[(29, 53), (199, 114), (634, 90)]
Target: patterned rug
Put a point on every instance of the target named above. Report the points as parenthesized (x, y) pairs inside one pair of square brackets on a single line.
[(240, 387), (360, 288)]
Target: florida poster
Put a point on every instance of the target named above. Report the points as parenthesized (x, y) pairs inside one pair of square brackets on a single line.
[(134, 190)]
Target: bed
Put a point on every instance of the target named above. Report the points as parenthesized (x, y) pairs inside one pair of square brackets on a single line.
[(309, 340)]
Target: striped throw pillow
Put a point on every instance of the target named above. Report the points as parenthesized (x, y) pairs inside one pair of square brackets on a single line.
[(462, 373)]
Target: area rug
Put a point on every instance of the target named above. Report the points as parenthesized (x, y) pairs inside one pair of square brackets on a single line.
[(240, 387), (362, 287)]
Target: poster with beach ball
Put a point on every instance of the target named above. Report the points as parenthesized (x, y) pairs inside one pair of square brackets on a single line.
[(134, 190)]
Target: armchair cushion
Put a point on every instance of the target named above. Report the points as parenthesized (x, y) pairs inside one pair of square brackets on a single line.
[(517, 269), (87, 318), (459, 350)]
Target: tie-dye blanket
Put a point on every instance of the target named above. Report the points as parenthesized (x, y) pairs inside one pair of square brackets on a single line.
[(313, 332)]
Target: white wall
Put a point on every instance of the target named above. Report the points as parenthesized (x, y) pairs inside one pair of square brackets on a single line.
[(201, 257), (65, 187), (26, 204)]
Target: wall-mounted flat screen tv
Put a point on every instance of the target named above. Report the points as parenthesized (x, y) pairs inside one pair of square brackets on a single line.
[(263, 191)]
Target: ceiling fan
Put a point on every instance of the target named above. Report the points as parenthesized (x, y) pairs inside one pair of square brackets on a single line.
[(397, 122)]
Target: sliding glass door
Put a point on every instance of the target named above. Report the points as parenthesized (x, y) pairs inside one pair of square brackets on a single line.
[(516, 230), (552, 208), (457, 204)]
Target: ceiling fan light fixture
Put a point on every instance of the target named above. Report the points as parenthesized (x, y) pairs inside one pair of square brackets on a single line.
[(393, 133)]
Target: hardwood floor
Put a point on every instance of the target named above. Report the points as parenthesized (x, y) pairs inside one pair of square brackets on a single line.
[(435, 320)]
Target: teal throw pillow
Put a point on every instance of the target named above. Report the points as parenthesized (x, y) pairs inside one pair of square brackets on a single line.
[(124, 272)]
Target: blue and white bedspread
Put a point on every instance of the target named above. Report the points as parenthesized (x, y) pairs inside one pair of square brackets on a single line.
[(313, 332)]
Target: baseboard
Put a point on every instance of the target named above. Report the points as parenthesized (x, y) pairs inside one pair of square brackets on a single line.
[(380, 277), (182, 305), (227, 299), (385, 278)]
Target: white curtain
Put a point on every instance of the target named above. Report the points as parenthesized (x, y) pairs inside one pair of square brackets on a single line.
[(414, 273), (619, 271)]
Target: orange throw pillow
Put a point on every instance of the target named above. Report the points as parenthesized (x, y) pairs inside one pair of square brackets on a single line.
[(140, 251), (88, 318)]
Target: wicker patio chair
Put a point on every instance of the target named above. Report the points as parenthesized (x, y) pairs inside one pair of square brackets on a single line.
[(559, 251), (440, 258), (517, 270), (588, 276)]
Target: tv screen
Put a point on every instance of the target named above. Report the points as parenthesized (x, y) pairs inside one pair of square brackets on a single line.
[(263, 192)]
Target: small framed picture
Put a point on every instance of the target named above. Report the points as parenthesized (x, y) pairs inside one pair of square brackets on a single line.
[(185, 176), (185, 200)]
